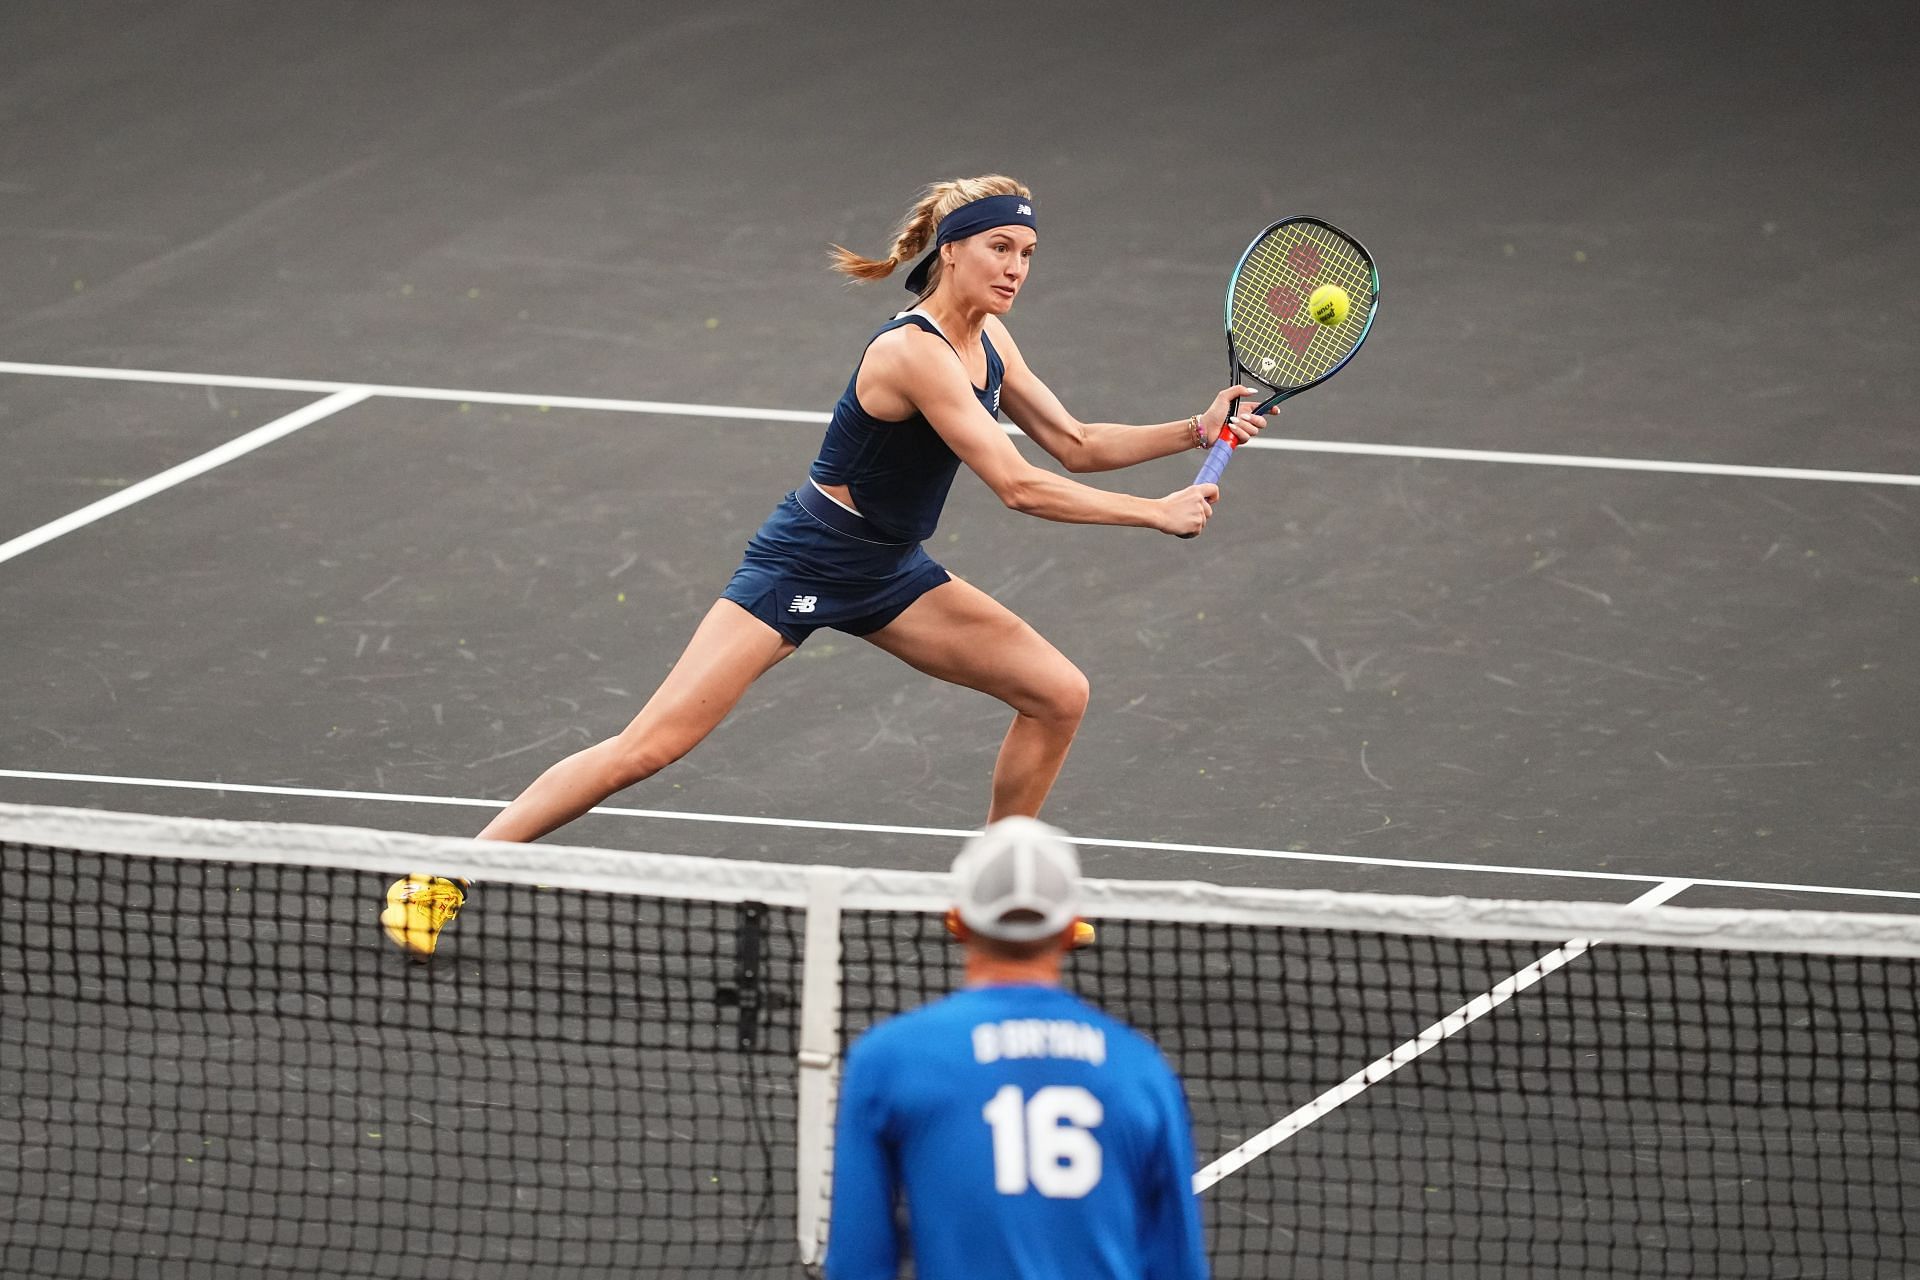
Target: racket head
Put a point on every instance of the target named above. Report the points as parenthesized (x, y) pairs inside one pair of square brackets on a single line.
[(1271, 337)]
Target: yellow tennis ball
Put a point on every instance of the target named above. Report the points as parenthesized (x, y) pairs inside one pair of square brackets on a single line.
[(1329, 305)]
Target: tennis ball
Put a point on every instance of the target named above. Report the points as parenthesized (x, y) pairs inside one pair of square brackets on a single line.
[(1329, 304)]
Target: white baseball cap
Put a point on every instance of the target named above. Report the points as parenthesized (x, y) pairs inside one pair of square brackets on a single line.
[(1017, 881)]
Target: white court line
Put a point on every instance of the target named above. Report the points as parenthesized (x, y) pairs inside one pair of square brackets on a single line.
[(1379, 1069), (951, 833), (412, 393), (1576, 460), (185, 471), (741, 413)]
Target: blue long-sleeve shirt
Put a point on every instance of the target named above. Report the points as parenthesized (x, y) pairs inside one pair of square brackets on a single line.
[(1028, 1134)]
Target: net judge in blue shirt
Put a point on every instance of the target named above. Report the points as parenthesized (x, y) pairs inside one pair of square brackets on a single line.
[(1026, 1134)]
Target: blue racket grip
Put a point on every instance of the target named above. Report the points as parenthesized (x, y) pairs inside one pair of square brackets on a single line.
[(1217, 459), (1221, 452)]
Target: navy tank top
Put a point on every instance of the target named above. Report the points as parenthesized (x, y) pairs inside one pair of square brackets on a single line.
[(897, 472)]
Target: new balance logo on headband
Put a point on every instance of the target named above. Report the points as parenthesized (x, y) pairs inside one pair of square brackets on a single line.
[(970, 219)]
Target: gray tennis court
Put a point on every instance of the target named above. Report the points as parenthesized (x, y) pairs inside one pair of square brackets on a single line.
[(387, 390)]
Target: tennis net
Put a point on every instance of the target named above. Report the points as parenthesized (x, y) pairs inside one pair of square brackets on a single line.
[(212, 1064)]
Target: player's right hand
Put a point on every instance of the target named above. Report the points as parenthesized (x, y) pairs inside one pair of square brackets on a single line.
[(1185, 513)]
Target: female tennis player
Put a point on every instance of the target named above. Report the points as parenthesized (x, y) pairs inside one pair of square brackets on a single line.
[(844, 549)]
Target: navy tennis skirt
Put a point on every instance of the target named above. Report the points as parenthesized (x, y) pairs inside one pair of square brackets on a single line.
[(815, 564)]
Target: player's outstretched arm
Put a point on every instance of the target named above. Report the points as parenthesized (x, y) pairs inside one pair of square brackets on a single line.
[(920, 370), (1106, 446)]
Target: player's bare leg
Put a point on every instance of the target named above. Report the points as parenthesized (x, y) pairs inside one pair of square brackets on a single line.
[(960, 634), (729, 651)]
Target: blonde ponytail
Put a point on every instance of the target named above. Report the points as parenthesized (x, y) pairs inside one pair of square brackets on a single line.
[(917, 230)]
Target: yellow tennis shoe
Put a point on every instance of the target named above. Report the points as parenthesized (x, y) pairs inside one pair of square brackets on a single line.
[(418, 907)]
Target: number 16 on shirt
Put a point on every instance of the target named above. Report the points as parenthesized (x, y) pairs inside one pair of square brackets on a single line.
[(1045, 1142)]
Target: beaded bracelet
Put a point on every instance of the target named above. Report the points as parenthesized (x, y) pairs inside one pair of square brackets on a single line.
[(1199, 436)]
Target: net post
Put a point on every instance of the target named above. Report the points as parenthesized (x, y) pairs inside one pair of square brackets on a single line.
[(818, 1059)]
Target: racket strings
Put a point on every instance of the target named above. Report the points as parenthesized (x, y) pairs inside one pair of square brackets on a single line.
[(1275, 338)]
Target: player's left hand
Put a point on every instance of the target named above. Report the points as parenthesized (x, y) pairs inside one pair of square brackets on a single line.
[(1244, 426)]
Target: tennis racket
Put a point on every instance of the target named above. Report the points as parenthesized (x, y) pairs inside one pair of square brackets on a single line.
[(1273, 339)]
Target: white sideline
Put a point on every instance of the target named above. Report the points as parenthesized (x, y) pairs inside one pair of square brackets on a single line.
[(1379, 1069)]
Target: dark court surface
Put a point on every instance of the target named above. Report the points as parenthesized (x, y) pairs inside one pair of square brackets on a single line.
[(1618, 231), (1626, 231)]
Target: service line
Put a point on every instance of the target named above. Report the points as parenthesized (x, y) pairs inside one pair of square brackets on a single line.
[(1083, 840), (743, 413)]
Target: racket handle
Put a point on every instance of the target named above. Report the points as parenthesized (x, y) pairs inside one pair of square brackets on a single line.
[(1220, 454), (1217, 459), (1222, 451)]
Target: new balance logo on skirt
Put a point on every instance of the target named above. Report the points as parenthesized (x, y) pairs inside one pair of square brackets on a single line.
[(803, 604)]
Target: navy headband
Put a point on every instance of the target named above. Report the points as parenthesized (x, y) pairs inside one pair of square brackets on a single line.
[(970, 220)]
